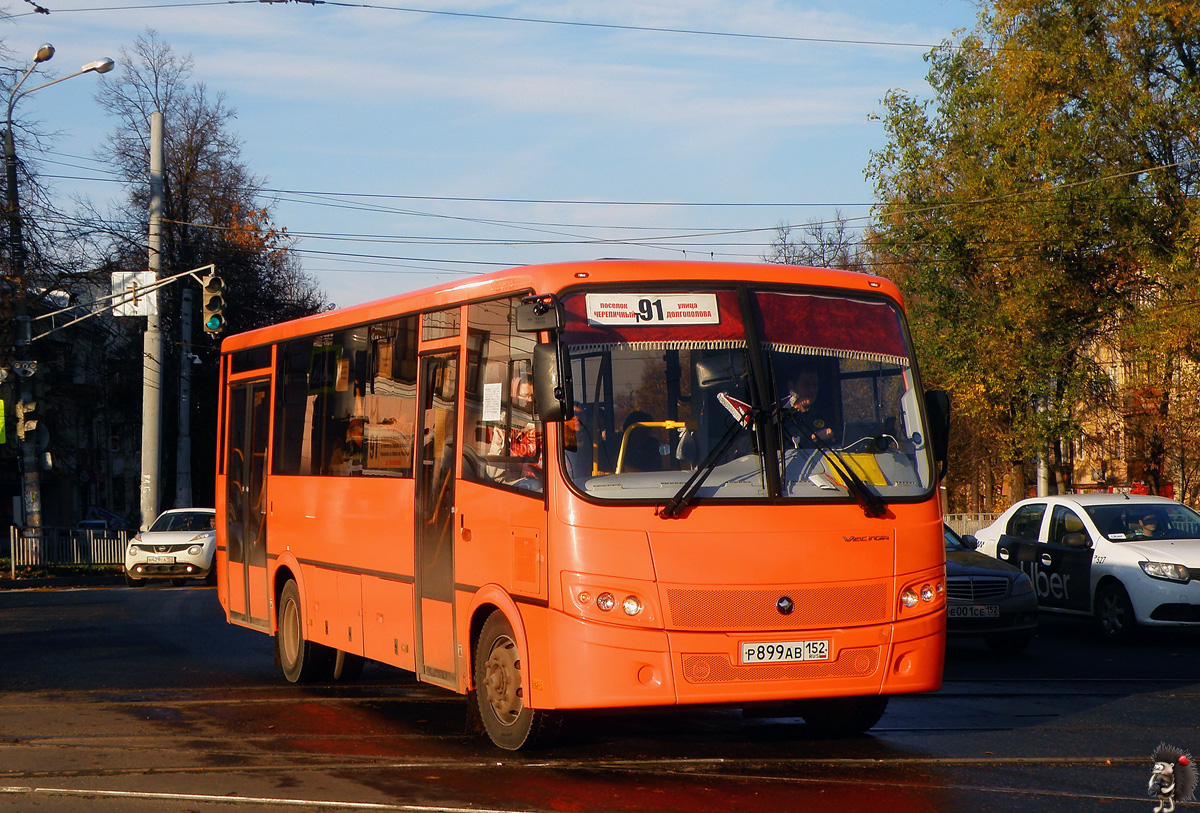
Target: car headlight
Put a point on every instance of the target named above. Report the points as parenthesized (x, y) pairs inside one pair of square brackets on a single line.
[(1022, 585), (1166, 571), (194, 550)]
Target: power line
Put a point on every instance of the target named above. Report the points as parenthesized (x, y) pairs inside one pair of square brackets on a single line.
[(545, 21)]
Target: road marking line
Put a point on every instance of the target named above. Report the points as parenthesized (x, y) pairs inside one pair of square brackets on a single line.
[(198, 797)]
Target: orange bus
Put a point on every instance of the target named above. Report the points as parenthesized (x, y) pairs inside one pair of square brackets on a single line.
[(594, 485)]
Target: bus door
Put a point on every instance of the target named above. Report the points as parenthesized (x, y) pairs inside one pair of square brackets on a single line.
[(245, 501), (434, 516)]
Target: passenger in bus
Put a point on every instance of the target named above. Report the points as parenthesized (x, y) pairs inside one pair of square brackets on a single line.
[(802, 395), (348, 455)]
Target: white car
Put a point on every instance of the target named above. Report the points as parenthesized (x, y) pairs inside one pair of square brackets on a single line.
[(1125, 559), (178, 546)]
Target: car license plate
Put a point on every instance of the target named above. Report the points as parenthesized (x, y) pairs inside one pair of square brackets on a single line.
[(784, 651), (160, 560), (973, 611)]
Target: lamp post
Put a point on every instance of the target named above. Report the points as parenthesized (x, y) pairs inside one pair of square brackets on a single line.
[(23, 363)]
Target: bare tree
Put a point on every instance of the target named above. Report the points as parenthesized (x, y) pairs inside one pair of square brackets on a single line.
[(211, 214), (823, 244)]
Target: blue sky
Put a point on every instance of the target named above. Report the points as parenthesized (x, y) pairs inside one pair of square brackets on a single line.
[(413, 145)]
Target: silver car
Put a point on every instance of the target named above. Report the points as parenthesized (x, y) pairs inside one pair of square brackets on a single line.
[(179, 546)]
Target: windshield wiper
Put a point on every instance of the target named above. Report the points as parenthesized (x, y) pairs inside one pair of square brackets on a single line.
[(744, 416), (872, 503)]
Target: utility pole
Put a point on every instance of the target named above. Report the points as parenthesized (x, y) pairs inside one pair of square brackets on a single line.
[(23, 364), (183, 452), (152, 341)]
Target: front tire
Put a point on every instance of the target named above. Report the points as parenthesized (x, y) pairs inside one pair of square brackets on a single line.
[(500, 690), (1114, 613), (130, 581), (843, 716), (302, 661)]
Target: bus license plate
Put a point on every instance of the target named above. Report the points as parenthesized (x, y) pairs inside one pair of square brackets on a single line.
[(973, 611), (160, 560), (785, 651)]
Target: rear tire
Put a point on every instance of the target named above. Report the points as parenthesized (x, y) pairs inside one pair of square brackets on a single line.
[(346, 667), (302, 661), (500, 690), (843, 716), (1114, 613)]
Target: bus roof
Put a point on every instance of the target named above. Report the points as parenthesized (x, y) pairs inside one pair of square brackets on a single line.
[(553, 278)]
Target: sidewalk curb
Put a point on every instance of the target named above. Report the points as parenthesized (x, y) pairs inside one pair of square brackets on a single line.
[(60, 581)]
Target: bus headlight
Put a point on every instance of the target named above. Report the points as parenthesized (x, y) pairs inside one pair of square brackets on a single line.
[(614, 601), (923, 595)]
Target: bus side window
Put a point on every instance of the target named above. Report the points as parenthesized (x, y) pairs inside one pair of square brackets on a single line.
[(505, 441)]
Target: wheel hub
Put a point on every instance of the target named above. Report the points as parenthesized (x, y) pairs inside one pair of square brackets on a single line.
[(502, 679)]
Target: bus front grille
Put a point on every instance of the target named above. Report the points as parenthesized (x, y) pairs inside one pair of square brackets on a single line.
[(712, 668), (744, 609)]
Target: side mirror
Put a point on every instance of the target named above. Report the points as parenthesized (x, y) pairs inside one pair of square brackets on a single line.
[(970, 541), (937, 410), (537, 313), (552, 382)]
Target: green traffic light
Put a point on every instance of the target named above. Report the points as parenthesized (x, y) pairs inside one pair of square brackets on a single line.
[(214, 322)]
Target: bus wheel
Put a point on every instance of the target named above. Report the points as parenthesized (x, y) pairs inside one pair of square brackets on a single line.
[(302, 661), (843, 716), (347, 667), (500, 690)]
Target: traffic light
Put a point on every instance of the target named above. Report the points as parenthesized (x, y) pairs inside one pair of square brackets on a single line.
[(26, 418), (212, 293)]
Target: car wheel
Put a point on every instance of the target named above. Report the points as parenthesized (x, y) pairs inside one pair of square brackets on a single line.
[(302, 661), (500, 690), (179, 582), (132, 582), (1009, 643), (1114, 613), (843, 716)]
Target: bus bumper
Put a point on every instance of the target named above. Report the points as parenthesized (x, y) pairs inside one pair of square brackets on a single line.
[(604, 666)]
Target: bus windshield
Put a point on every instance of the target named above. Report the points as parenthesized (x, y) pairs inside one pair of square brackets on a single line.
[(763, 394)]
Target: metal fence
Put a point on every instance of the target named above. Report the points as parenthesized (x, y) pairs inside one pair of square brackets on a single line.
[(969, 523), (49, 547)]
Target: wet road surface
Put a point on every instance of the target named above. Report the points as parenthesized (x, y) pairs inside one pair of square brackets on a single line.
[(145, 700)]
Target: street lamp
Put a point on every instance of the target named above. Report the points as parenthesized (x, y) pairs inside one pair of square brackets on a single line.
[(23, 364)]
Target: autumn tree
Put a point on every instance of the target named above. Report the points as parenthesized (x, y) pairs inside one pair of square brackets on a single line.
[(1034, 206), (211, 214)]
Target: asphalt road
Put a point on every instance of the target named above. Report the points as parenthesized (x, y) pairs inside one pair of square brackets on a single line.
[(114, 699)]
